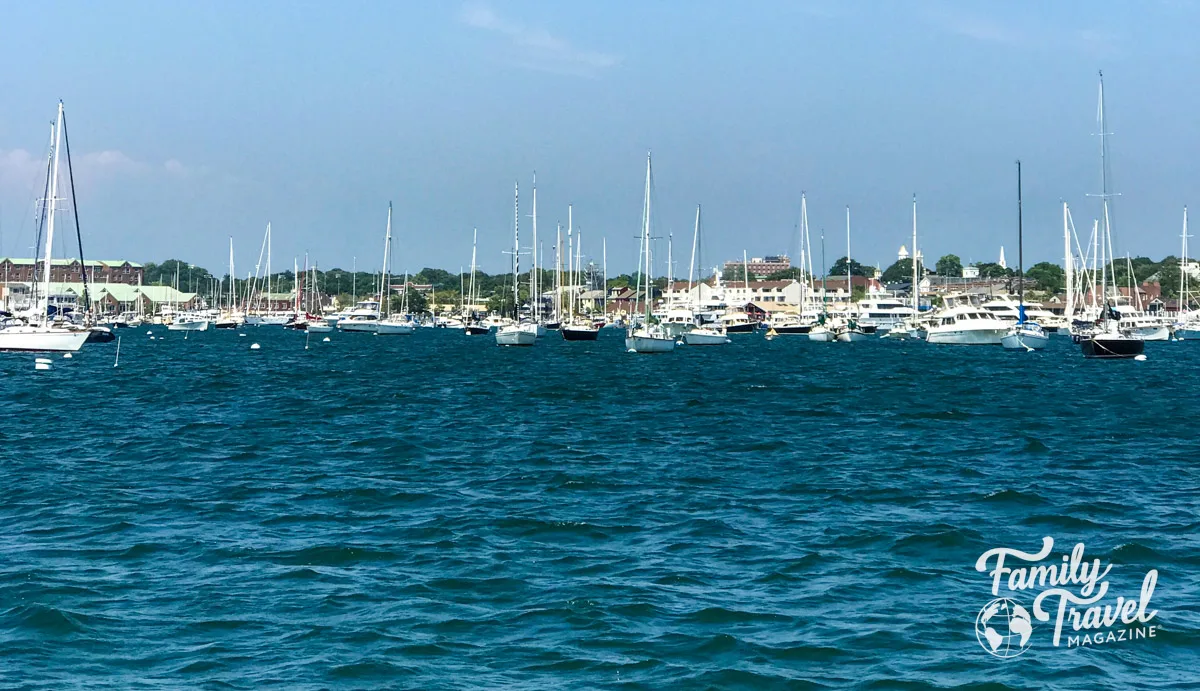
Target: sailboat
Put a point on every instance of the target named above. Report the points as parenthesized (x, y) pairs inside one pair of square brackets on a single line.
[(847, 330), (1106, 340), (391, 324), (647, 337), (1187, 326), (1024, 335), (474, 326), (577, 327), (704, 334), (516, 333), (822, 332), (40, 333)]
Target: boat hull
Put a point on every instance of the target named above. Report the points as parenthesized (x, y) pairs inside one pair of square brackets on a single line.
[(201, 325), (1108, 347), (649, 344), (967, 337), (577, 333), (320, 327), (363, 326), (1024, 340), (516, 336), (477, 330), (798, 329), (693, 338), (821, 335), (34, 339), (851, 336), (1151, 333), (741, 328), (394, 329)]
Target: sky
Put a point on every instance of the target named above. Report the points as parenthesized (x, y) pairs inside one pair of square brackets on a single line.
[(194, 122)]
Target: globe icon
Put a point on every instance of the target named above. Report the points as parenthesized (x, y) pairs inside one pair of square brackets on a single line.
[(1003, 628)]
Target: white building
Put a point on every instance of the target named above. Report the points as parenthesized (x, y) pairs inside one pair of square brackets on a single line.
[(732, 293)]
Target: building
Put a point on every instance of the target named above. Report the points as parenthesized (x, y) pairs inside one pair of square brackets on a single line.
[(759, 267), (970, 272), (106, 298), (71, 271)]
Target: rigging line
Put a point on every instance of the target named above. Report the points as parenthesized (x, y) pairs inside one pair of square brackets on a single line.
[(87, 303)]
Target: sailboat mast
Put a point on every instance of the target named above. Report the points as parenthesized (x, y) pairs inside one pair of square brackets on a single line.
[(916, 287), (534, 278), (576, 297), (474, 242), (383, 274), (1183, 274), (1106, 241), (746, 275), (1069, 267), (804, 285), (232, 291), (516, 250), (849, 285), (692, 264), (604, 259), (1020, 250), (44, 315), (558, 275), (570, 261), (646, 245)]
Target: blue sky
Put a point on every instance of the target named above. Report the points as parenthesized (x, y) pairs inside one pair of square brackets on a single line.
[(192, 122)]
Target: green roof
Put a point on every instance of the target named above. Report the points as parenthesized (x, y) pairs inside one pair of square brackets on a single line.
[(24, 261), (122, 292)]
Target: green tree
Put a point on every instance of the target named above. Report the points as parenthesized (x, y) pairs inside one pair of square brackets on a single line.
[(1049, 277), (856, 269), (784, 275), (898, 272), (993, 270), (949, 265)]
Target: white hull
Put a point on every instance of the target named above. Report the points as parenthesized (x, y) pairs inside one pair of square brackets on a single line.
[(385, 328), (515, 336), (649, 344), (269, 320), (320, 327), (1024, 340), (704, 337), (851, 337), (967, 336), (41, 339), (365, 326), (200, 325), (1151, 333), (821, 335)]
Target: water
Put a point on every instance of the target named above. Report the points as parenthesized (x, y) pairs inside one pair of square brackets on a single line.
[(435, 512)]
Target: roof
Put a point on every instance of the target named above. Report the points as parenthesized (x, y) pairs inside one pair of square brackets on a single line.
[(121, 292), (25, 261)]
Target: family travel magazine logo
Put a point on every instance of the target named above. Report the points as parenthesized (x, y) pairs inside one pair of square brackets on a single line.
[(1073, 592)]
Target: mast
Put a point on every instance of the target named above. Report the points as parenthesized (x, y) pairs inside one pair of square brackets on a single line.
[(604, 254), (692, 264), (383, 274), (746, 275), (1070, 265), (577, 297), (849, 285), (823, 271), (268, 267), (474, 242), (570, 262), (558, 275), (804, 285), (1020, 252), (1183, 274), (516, 249), (45, 310), (646, 246), (534, 294), (670, 261), (1106, 241), (916, 286), (231, 276)]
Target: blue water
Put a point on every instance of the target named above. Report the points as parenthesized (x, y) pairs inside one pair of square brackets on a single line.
[(434, 512)]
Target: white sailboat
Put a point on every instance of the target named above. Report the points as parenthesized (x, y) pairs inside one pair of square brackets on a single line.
[(517, 334), (1025, 334), (40, 333), (705, 334), (391, 324), (647, 337), (847, 330), (577, 327)]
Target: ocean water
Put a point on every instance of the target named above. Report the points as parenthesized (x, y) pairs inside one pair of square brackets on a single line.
[(435, 512)]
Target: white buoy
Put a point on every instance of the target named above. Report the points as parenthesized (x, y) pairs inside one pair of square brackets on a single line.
[(254, 346), (242, 335), (1140, 358), (149, 333), (41, 365), (151, 338), (325, 340), (41, 360), (67, 356)]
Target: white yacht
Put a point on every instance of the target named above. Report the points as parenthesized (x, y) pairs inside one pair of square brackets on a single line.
[(517, 334), (364, 317), (706, 335), (966, 325), (884, 314)]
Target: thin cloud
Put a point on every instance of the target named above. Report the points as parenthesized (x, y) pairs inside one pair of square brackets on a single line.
[(537, 48)]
